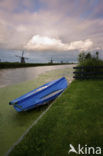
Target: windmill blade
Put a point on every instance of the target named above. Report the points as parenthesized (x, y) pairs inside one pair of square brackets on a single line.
[(22, 53), (25, 57), (18, 56)]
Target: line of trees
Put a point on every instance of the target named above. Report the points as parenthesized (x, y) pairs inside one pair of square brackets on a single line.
[(85, 56)]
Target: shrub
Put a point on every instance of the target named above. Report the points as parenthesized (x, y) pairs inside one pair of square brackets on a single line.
[(91, 67)]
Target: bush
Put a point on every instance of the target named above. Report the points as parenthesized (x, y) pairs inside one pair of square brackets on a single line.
[(91, 62), (91, 67)]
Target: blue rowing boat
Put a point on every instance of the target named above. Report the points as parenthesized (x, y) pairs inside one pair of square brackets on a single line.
[(40, 96)]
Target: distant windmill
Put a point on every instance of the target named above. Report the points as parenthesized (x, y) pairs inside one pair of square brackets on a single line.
[(22, 58), (51, 61)]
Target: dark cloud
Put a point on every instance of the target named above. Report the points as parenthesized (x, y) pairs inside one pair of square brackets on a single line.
[(69, 21)]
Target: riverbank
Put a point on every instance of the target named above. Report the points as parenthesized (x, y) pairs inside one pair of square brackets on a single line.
[(75, 118), (5, 65), (13, 124)]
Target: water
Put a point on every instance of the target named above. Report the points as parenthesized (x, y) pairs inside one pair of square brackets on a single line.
[(14, 76)]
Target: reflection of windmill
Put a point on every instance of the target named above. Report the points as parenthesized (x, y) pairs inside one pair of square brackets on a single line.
[(22, 58)]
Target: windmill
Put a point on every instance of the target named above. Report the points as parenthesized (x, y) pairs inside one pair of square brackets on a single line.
[(51, 61), (22, 58)]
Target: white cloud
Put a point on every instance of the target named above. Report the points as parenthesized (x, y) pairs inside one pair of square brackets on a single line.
[(80, 45), (38, 42)]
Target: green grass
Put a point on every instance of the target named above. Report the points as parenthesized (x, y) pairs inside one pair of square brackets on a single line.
[(75, 118), (13, 124)]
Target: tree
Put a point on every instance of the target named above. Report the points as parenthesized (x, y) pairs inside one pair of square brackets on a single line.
[(88, 56), (84, 56), (81, 57), (97, 54)]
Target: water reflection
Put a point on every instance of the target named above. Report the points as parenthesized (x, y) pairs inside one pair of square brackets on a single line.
[(13, 76)]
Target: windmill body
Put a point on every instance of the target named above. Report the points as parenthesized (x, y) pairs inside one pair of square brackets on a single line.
[(22, 58)]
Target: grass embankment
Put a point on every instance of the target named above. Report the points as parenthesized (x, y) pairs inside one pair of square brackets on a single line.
[(75, 118), (20, 65), (13, 124)]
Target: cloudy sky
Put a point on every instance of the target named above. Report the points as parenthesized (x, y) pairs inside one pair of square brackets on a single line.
[(51, 25)]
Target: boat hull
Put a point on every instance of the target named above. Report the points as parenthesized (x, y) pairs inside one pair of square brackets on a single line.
[(40, 96)]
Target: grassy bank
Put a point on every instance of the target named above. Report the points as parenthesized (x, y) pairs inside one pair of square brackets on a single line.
[(4, 65), (74, 118), (13, 124)]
